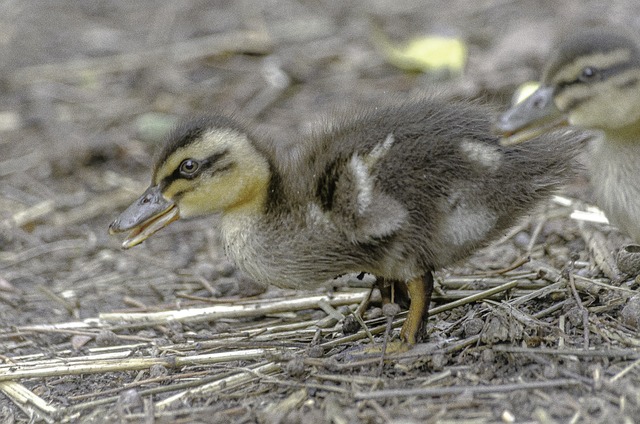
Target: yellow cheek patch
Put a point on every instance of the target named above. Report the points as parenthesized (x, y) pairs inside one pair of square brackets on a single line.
[(179, 186), (256, 193), (222, 193), (196, 203)]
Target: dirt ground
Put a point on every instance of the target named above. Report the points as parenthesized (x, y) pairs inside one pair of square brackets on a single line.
[(169, 332)]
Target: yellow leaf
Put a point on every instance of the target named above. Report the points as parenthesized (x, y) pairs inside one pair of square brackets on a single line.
[(425, 54)]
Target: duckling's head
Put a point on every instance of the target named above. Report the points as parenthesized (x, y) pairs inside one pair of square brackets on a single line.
[(592, 80), (208, 165)]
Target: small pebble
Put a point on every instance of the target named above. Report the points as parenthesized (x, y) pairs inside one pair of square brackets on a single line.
[(390, 310), (79, 341), (630, 314), (106, 338), (500, 328), (488, 356), (374, 313), (350, 325), (628, 259), (495, 331), (295, 367), (158, 370), (438, 361), (222, 327), (473, 326), (248, 287), (315, 351), (129, 400)]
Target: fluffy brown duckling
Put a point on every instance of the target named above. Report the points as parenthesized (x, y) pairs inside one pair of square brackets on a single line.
[(397, 191), (592, 80)]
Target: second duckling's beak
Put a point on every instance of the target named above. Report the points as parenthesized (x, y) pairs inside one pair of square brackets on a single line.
[(147, 215), (531, 117)]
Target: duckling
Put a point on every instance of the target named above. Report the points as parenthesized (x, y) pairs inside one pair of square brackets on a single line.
[(592, 81), (397, 192)]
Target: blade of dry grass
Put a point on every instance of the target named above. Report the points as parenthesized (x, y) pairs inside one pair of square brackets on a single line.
[(89, 365), (235, 380), (236, 311), (457, 390), (29, 402), (602, 251), (607, 353)]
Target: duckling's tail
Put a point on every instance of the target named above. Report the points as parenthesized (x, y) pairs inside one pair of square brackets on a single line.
[(550, 159)]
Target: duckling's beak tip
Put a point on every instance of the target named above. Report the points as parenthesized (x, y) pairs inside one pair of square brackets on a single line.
[(113, 228), (128, 244)]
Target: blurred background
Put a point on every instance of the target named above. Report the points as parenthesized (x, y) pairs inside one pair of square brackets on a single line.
[(88, 89), (91, 81)]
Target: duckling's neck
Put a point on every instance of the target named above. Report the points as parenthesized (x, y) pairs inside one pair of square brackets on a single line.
[(250, 203), (253, 223), (614, 171), (277, 240), (627, 134), (251, 206)]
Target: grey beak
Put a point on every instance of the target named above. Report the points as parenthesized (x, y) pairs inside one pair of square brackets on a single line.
[(148, 206), (537, 109)]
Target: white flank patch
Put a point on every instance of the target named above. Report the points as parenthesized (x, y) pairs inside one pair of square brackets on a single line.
[(363, 183), (483, 154), (466, 223)]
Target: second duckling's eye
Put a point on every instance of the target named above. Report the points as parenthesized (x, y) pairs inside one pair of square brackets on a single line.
[(589, 73), (189, 168)]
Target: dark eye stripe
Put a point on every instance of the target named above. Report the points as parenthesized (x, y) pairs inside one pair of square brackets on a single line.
[(604, 74), (631, 82), (213, 159), (205, 164)]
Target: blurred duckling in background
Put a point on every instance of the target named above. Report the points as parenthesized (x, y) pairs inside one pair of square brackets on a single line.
[(593, 81), (396, 191)]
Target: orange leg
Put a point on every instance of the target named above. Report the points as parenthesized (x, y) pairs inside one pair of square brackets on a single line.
[(414, 328)]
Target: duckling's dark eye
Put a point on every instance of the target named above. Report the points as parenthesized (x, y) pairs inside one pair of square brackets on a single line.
[(589, 73), (188, 168)]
